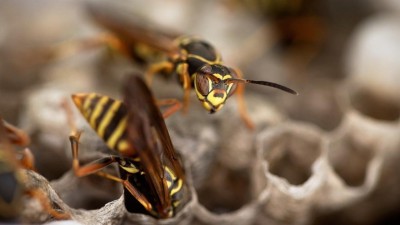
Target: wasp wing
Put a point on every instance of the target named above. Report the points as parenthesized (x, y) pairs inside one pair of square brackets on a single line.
[(148, 134), (129, 27)]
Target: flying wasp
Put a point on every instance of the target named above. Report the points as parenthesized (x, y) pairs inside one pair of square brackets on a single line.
[(195, 61), (150, 170), (13, 176)]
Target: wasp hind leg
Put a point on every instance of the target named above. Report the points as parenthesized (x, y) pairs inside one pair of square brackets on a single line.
[(241, 103), (97, 165), (173, 106), (74, 137), (135, 193), (90, 168)]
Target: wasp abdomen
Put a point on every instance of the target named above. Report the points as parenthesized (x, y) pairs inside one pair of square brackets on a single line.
[(107, 116)]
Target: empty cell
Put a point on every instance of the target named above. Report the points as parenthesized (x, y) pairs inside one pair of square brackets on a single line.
[(350, 158), (291, 153), (225, 190)]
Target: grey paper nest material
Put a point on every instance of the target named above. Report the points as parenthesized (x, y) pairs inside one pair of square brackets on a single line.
[(299, 170), (328, 156)]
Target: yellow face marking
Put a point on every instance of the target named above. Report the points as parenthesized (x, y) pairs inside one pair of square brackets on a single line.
[(97, 110), (107, 118), (229, 88), (207, 106), (111, 142), (210, 101), (222, 77), (228, 76), (177, 188), (85, 109), (216, 101), (210, 85), (199, 95)]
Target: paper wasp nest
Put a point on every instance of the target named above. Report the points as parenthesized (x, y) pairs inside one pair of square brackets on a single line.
[(327, 156)]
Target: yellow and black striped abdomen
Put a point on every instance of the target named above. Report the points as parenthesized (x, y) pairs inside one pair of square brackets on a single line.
[(108, 117), (175, 187)]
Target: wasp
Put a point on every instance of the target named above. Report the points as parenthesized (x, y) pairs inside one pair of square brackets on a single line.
[(150, 170), (196, 62), (13, 176)]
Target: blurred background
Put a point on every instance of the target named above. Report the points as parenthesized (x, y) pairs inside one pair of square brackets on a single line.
[(343, 57)]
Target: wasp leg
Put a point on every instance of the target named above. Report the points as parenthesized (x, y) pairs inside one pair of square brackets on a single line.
[(74, 137), (139, 196), (166, 66), (185, 78), (174, 106), (27, 160), (45, 202), (16, 135), (90, 168), (95, 166), (241, 103)]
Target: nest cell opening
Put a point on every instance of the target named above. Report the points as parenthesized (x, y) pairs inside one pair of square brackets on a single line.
[(225, 190), (350, 159), (291, 156)]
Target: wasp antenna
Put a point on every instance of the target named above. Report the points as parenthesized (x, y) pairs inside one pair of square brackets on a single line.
[(265, 83), (274, 85)]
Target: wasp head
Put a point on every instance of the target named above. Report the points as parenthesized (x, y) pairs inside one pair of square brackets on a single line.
[(211, 86)]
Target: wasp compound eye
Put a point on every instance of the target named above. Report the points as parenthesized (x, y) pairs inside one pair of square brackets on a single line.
[(203, 85)]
